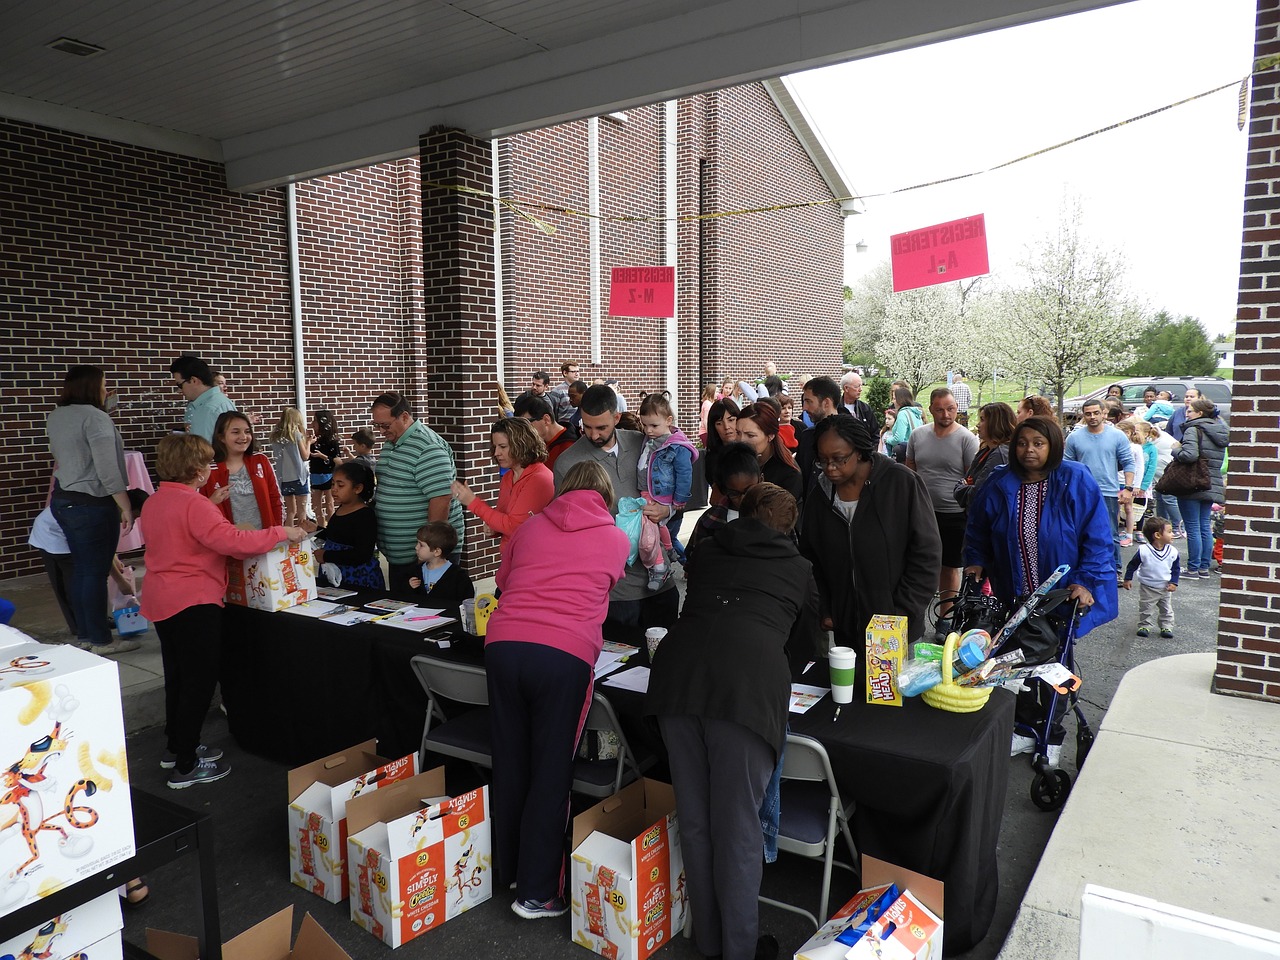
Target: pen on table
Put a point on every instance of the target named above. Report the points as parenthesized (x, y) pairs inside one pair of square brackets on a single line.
[(433, 616), (837, 714), (386, 616), (333, 613)]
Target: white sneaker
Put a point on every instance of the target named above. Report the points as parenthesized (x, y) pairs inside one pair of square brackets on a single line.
[(1021, 744), (1055, 754)]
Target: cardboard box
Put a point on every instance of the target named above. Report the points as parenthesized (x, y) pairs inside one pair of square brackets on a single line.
[(908, 930), (886, 651), (876, 875), (69, 933), (267, 940), (416, 858), (627, 883), (318, 796), (282, 577), (64, 779)]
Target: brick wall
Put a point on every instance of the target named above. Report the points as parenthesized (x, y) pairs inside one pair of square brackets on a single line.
[(1249, 626), (127, 257), (750, 288), (458, 280)]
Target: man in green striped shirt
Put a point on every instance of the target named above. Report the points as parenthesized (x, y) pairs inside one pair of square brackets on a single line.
[(415, 471)]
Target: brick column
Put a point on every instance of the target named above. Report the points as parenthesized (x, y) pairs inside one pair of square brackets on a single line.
[(458, 319), (1249, 624)]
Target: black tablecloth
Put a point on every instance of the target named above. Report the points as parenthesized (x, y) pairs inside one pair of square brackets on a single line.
[(297, 688), (930, 791), (929, 786)]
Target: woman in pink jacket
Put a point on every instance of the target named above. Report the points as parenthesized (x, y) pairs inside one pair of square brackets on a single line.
[(188, 542), (540, 654)]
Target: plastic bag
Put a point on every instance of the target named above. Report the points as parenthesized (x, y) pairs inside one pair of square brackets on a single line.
[(630, 521)]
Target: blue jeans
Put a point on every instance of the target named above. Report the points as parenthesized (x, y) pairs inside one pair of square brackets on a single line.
[(1197, 515), (1167, 507), (1113, 506), (93, 533)]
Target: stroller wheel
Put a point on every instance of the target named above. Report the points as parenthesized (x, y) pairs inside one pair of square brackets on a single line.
[(1084, 743), (1049, 789)]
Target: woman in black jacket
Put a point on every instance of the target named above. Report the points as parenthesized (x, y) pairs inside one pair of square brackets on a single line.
[(720, 686), (995, 429), (870, 532)]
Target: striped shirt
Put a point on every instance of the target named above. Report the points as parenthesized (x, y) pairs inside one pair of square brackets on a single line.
[(411, 471)]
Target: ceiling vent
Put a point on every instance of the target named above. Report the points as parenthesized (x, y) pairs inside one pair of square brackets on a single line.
[(74, 47)]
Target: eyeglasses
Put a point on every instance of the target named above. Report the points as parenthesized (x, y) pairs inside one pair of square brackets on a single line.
[(384, 427), (833, 462), (735, 494)]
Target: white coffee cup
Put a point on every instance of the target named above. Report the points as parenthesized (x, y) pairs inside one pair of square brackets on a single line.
[(467, 614), (652, 637), (843, 660)]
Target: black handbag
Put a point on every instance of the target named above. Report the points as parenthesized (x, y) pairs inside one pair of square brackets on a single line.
[(1183, 479)]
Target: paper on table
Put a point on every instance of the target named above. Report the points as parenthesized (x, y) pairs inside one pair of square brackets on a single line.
[(620, 649), (608, 668), (637, 679), (804, 696), (334, 593), (350, 618), (314, 608)]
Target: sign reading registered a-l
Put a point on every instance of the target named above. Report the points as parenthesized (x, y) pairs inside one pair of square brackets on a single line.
[(939, 254)]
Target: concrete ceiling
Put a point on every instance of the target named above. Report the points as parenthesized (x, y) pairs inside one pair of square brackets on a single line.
[(281, 91)]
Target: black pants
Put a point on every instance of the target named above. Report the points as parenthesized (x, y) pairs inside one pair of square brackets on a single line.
[(538, 699), (191, 650), (720, 771), (61, 568)]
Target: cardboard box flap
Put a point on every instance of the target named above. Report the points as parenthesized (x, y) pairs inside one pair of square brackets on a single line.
[(164, 945), (926, 889), (627, 813), (394, 801), (335, 768), (266, 940), (314, 943)]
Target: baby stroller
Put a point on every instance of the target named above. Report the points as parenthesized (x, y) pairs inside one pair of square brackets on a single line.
[(1047, 634)]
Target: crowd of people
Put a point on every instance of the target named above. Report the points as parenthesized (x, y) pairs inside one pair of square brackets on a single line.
[(817, 521)]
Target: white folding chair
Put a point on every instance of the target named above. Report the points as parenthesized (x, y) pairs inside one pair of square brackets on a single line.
[(811, 813), (467, 736)]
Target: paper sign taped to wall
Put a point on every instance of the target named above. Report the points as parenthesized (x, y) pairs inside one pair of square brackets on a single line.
[(939, 254), (642, 292)]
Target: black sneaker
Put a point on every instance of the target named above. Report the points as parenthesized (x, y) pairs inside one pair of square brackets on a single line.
[(170, 760), (533, 910), (1166, 634), (205, 771), (767, 947), (1144, 632)]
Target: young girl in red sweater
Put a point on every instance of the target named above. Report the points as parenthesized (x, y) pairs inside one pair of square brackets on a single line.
[(241, 482)]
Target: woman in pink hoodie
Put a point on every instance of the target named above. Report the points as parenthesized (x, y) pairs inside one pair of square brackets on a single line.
[(540, 654)]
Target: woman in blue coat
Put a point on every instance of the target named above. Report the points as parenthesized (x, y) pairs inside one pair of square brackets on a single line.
[(1032, 516)]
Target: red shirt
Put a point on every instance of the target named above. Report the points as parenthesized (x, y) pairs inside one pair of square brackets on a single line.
[(518, 500)]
